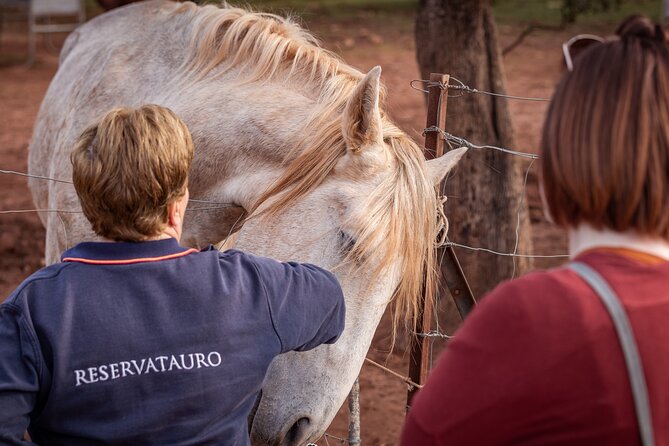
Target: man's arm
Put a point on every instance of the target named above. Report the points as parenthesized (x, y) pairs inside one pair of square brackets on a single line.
[(19, 375), (306, 303)]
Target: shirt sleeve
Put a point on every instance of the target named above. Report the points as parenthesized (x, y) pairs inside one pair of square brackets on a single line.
[(306, 303), (19, 375)]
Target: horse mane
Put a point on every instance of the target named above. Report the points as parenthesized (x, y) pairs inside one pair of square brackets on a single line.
[(401, 212)]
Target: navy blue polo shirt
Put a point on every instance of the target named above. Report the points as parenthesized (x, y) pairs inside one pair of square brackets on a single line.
[(153, 343)]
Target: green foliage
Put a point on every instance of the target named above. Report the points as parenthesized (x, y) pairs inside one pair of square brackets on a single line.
[(565, 12), (571, 9)]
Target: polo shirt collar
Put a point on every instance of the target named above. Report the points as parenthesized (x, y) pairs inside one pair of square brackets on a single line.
[(110, 253)]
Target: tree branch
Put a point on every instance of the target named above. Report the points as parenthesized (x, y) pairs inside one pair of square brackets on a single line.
[(527, 31)]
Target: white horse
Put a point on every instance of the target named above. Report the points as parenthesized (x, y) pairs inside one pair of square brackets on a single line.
[(290, 135)]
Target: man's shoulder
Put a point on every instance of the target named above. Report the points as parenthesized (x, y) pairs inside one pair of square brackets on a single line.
[(46, 274)]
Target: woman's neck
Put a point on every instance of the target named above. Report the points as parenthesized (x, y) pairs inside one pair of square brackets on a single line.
[(585, 237)]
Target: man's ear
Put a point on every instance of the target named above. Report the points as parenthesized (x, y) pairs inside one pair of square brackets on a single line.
[(174, 214)]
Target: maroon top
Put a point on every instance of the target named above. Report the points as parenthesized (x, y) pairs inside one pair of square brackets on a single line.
[(539, 363)]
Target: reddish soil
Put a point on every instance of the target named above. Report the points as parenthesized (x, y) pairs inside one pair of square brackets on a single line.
[(532, 69)]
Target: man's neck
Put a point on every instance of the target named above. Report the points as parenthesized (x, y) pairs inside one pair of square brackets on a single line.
[(165, 235), (162, 236), (585, 237)]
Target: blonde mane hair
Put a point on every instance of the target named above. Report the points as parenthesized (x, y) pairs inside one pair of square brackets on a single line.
[(401, 213)]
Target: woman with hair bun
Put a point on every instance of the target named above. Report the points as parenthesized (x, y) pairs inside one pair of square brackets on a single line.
[(578, 355)]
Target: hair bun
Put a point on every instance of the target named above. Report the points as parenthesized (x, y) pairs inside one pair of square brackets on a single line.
[(640, 27)]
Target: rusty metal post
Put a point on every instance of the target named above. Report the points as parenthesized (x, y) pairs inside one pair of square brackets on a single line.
[(354, 414), (456, 282), (451, 271), (437, 101)]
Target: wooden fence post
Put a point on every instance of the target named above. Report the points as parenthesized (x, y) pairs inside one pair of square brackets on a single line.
[(354, 414), (451, 272)]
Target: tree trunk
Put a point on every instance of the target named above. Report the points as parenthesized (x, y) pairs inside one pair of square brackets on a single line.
[(486, 194)]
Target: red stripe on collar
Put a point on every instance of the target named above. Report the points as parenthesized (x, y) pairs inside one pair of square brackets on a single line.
[(130, 261)]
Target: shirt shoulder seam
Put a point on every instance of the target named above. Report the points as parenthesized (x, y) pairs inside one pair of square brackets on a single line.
[(29, 282)]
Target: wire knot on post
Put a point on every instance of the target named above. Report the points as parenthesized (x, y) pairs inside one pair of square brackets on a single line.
[(428, 84), (466, 89)]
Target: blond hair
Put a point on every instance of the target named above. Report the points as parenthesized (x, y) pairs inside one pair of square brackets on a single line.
[(128, 167)]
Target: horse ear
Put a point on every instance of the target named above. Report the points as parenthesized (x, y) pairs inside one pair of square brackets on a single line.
[(438, 168), (362, 118)]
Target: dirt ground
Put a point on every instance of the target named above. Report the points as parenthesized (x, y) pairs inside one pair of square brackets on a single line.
[(532, 69)]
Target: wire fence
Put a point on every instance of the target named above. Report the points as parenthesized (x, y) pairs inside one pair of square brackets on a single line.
[(458, 141)]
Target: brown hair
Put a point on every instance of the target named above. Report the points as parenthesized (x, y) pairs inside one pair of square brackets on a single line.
[(605, 145), (128, 167)]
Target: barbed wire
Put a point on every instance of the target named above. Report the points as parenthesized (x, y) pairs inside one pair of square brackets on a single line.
[(28, 175), (408, 381), (222, 205), (462, 142), (327, 443), (465, 89), (67, 211), (40, 177), (434, 334), (445, 243), (26, 211), (442, 238), (339, 439), (506, 254)]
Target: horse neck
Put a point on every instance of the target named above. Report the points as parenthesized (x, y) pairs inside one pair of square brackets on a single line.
[(243, 131)]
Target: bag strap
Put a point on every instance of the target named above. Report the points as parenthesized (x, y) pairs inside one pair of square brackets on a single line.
[(628, 344)]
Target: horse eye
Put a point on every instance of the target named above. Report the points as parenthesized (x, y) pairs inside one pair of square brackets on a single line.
[(346, 242)]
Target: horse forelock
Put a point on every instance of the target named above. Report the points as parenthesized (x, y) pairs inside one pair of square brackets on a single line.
[(401, 211)]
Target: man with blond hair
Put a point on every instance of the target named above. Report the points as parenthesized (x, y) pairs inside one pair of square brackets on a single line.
[(137, 340)]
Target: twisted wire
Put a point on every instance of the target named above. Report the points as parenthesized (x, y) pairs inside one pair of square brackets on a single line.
[(465, 89)]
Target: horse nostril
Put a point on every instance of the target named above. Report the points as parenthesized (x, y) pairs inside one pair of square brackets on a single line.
[(298, 433)]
